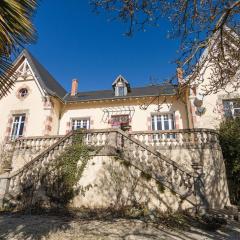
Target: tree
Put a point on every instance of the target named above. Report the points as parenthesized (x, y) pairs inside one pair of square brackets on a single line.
[(200, 25), (16, 30)]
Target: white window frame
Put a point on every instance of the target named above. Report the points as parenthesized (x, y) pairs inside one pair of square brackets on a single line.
[(16, 126), (171, 122), (235, 108), (121, 91), (75, 122), (232, 108), (162, 117)]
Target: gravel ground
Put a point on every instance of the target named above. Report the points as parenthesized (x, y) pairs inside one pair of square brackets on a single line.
[(18, 227)]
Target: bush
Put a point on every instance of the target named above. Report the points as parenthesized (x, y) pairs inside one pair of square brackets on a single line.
[(230, 143)]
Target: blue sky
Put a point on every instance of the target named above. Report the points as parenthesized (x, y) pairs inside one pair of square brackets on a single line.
[(74, 42)]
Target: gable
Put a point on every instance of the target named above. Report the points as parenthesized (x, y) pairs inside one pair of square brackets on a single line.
[(25, 76), (44, 78), (24, 70)]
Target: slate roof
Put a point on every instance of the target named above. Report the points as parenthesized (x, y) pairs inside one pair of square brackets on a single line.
[(46, 80), (166, 89), (52, 86)]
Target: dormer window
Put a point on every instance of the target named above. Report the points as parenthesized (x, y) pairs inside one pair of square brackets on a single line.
[(121, 86), (121, 91)]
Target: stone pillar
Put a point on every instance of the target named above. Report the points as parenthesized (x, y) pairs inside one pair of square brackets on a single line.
[(110, 149), (201, 201)]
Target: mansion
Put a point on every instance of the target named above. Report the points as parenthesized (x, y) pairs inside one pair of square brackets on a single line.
[(39, 106), (156, 132)]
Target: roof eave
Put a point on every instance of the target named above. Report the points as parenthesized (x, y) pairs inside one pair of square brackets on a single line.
[(116, 98)]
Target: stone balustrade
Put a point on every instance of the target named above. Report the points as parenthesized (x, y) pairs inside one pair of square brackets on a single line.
[(177, 138), (25, 149), (96, 137), (137, 148), (35, 143), (164, 170), (29, 172), (45, 160)]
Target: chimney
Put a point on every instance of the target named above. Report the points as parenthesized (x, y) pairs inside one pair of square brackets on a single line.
[(74, 89), (180, 75)]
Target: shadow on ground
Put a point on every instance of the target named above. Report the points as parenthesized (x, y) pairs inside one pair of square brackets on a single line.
[(61, 226)]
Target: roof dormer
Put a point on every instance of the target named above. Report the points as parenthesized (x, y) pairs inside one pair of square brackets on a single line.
[(121, 86)]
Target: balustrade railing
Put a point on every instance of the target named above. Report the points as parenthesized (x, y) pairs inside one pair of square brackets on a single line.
[(166, 171), (35, 143), (179, 137), (134, 148), (28, 173), (45, 160)]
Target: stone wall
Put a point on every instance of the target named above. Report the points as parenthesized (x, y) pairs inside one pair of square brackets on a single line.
[(108, 183), (211, 159)]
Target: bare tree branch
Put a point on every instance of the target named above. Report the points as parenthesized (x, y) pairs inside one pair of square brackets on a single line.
[(201, 25)]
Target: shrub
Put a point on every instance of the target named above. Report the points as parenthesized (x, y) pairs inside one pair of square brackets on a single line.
[(230, 143)]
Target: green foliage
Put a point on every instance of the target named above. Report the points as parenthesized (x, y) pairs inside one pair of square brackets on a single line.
[(230, 143), (146, 176), (16, 30), (68, 171), (125, 163), (160, 186)]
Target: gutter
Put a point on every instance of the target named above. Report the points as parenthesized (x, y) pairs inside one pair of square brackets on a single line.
[(116, 98)]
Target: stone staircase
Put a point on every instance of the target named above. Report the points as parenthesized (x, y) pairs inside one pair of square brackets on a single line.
[(188, 185)]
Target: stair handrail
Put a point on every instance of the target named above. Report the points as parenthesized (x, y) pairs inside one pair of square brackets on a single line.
[(56, 144), (86, 131), (156, 153), (150, 149)]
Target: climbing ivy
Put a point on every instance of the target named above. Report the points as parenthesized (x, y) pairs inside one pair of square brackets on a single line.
[(161, 187), (68, 170), (146, 176)]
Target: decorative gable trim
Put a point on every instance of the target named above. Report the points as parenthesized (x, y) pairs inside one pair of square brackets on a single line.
[(25, 71), (48, 84)]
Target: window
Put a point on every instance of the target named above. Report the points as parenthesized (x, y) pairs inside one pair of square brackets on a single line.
[(23, 92), (80, 124), (121, 86), (231, 108), (121, 91), (18, 126), (163, 122), (120, 120)]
